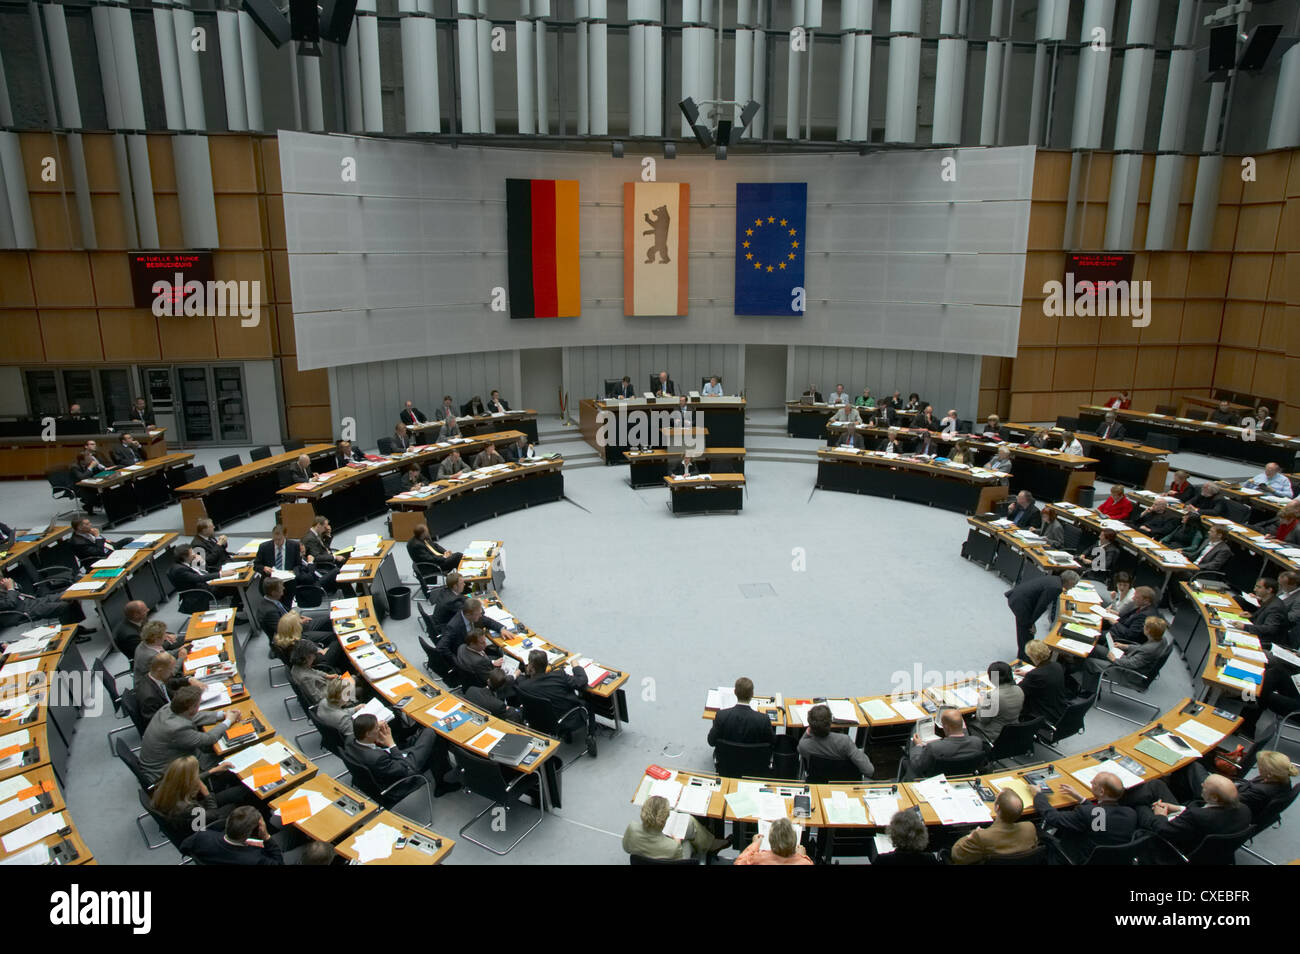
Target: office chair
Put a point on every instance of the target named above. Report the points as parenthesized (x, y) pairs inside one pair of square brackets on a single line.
[(230, 463), (484, 778), (1114, 677)]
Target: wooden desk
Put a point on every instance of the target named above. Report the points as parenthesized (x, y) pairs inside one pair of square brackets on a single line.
[(449, 504), (517, 420), (240, 491), (1012, 551), (803, 419), (1201, 437), (129, 492), (1206, 646), (713, 493), (289, 777), (38, 786), (772, 706), (717, 808), (1160, 563), (47, 646), (141, 561), (23, 748), (945, 485), (787, 790), (1188, 401), (1126, 462), (423, 847), (347, 808), (28, 546), (613, 427), (23, 457), (648, 468)]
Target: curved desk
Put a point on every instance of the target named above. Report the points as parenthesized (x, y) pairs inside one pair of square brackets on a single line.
[(1201, 437), (142, 488), (33, 456), (455, 502), (240, 491), (948, 486)]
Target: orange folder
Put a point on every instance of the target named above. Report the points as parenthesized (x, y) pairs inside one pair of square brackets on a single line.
[(265, 775), (239, 730), (295, 809)]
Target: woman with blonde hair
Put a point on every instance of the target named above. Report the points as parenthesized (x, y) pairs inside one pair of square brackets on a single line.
[(338, 706), (289, 631), (784, 847), (1045, 687), (1272, 781), (187, 804), (647, 839)]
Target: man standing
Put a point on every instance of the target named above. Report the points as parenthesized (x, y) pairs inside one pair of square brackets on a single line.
[(1032, 598)]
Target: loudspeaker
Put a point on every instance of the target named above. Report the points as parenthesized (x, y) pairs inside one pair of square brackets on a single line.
[(1223, 48), (1258, 47), (336, 20), (304, 18), (269, 20)]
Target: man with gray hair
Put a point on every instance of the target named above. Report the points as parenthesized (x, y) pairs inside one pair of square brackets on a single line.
[(1032, 598)]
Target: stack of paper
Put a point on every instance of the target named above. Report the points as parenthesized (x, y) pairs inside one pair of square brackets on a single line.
[(376, 844), (878, 710), (882, 805), (33, 832)]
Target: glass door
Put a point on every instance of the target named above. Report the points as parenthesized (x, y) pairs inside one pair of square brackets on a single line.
[(115, 386), (232, 416), (196, 405), (43, 394)]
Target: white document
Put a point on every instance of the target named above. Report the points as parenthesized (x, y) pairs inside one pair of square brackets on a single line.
[(1199, 732), (315, 800), (910, 710), (35, 855), (12, 786), (1086, 775), (881, 805), (382, 671), (771, 806), (85, 586), (376, 708), (668, 788), (694, 800), (677, 825), (1075, 646), (500, 615), (878, 710), (33, 831), (392, 684), (377, 843), (842, 710)]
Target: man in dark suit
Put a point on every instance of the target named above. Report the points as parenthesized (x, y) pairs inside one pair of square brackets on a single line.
[(213, 546), (1130, 627), (1111, 429), (686, 467), (474, 407), (128, 451), (300, 472), (423, 549), (472, 657), (155, 690), (1023, 513), (495, 403), (1158, 520), (401, 439), (625, 389), (1101, 820), (372, 746), (1219, 812), (812, 395), (1223, 415), (40, 607), (450, 426), (87, 544), (244, 841), (953, 754), (140, 413), (126, 637), (1215, 553), (1269, 622), (459, 626), (276, 605), (665, 386), (316, 542), (7, 537), (347, 453), (411, 415), (184, 575), (1031, 598), (741, 723), (448, 600), (491, 698), (280, 553), (1209, 501), (557, 689)]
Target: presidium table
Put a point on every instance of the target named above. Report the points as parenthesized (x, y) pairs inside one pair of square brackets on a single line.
[(615, 426), (34, 456)]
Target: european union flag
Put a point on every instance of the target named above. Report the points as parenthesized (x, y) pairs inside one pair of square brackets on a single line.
[(770, 220)]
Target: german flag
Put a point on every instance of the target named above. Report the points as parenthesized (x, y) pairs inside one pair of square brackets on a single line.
[(542, 248)]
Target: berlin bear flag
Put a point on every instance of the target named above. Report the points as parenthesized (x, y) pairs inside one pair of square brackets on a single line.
[(656, 247), (770, 231), (542, 248)]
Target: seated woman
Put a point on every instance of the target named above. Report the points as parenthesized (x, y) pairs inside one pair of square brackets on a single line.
[(908, 834), (308, 680), (289, 631), (339, 706), (1285, 526), (785, 848), (1102, 556), (1187, 537), (647, 839), (186, 803), (1121, 597)]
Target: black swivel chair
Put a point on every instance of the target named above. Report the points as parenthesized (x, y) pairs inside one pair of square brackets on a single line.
[(392, 796), (1015, 740), (231, 462), (1069, 725), (259, 453), (820, 771), (743, 759), (294, 445), (570, 725), (385, 445), (484, 777)]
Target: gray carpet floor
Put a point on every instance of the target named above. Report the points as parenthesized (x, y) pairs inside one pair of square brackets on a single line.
[(807, 592)]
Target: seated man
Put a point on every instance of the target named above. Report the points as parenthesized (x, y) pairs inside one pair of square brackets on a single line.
[(176, 730), (1117, 506), (741, 723), (665, 386), (1104, 556), (681, 415), (1023, 512), (451, 464), (647, 839), (956, 753), (459, 626), (1070, 444), (625, 388), (372, 747), (1008, 835), (244, 841), (1209, 502), (839, 396), (1158, 520), (128, 450), (1101, 820), (472, 657), (1131, 625), (1001, 706), (88, 546), (847, 413), (345, 453), (127, 634), (1001, 461), (496, 404), (448, 600), (1270, 621), (155, 690), (1215, 552), (520, 450), (488, 457), (713, 388), (410, 414), (492, 697), (820, 742), (424, 550), (39, 607), (893, 442), (97, 459), (280, 554), (275, 607), (950, 425), (185, 574), (686, 467), (1219, 812), (300, 472), (474, 407), (1143, 658), (850, 438), (1111, 429), (557, 689), (1223, 415), (401, 439), (1271, 481), (450, 426), (926, 419), (213, 547)]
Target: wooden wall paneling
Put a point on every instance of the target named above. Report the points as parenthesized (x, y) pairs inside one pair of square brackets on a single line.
[(1202, 319), (309, 423), (1033, 370), (1242, 323), (1234, 369), (1167, 272), (273, 214), (1207, 275), (111, 275), (269, 150), (1166, 322), (1115, 369), (1051, 176), (239, 221), (101, 165), (1147, 400), (54, 220), (1257, 227), (16, 281), (129, 334), (36, 147), (1270, 374), (62, 279), (167, 210), (110, 224), (1194, 367), (162, 165), (187, 338), (234, 163), (1075, 368), (1224, 233), (71, 335), (1249, 277), (1153, 367), (1046, 227), (1035, 327), (1273, 331), (1079, 331), (23, 343), (1278, 277), (1271, 171)]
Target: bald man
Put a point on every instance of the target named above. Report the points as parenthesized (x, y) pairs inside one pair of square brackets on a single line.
[(300, 472), (1219, 812), (1100, 820), (1008, 835)]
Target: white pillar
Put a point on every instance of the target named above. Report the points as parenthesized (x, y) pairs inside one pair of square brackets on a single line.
[(525, 75), (1094, 68), (248, 39), (165, 33), (232, 70), (187, 59), (1130, 123), (598, 68), (1284, 127), (998, 47), (794, 77), (949, 77), (904, 70), (372, 102), (69, 114), (543, 82), (1167, 181), (420, 66)]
